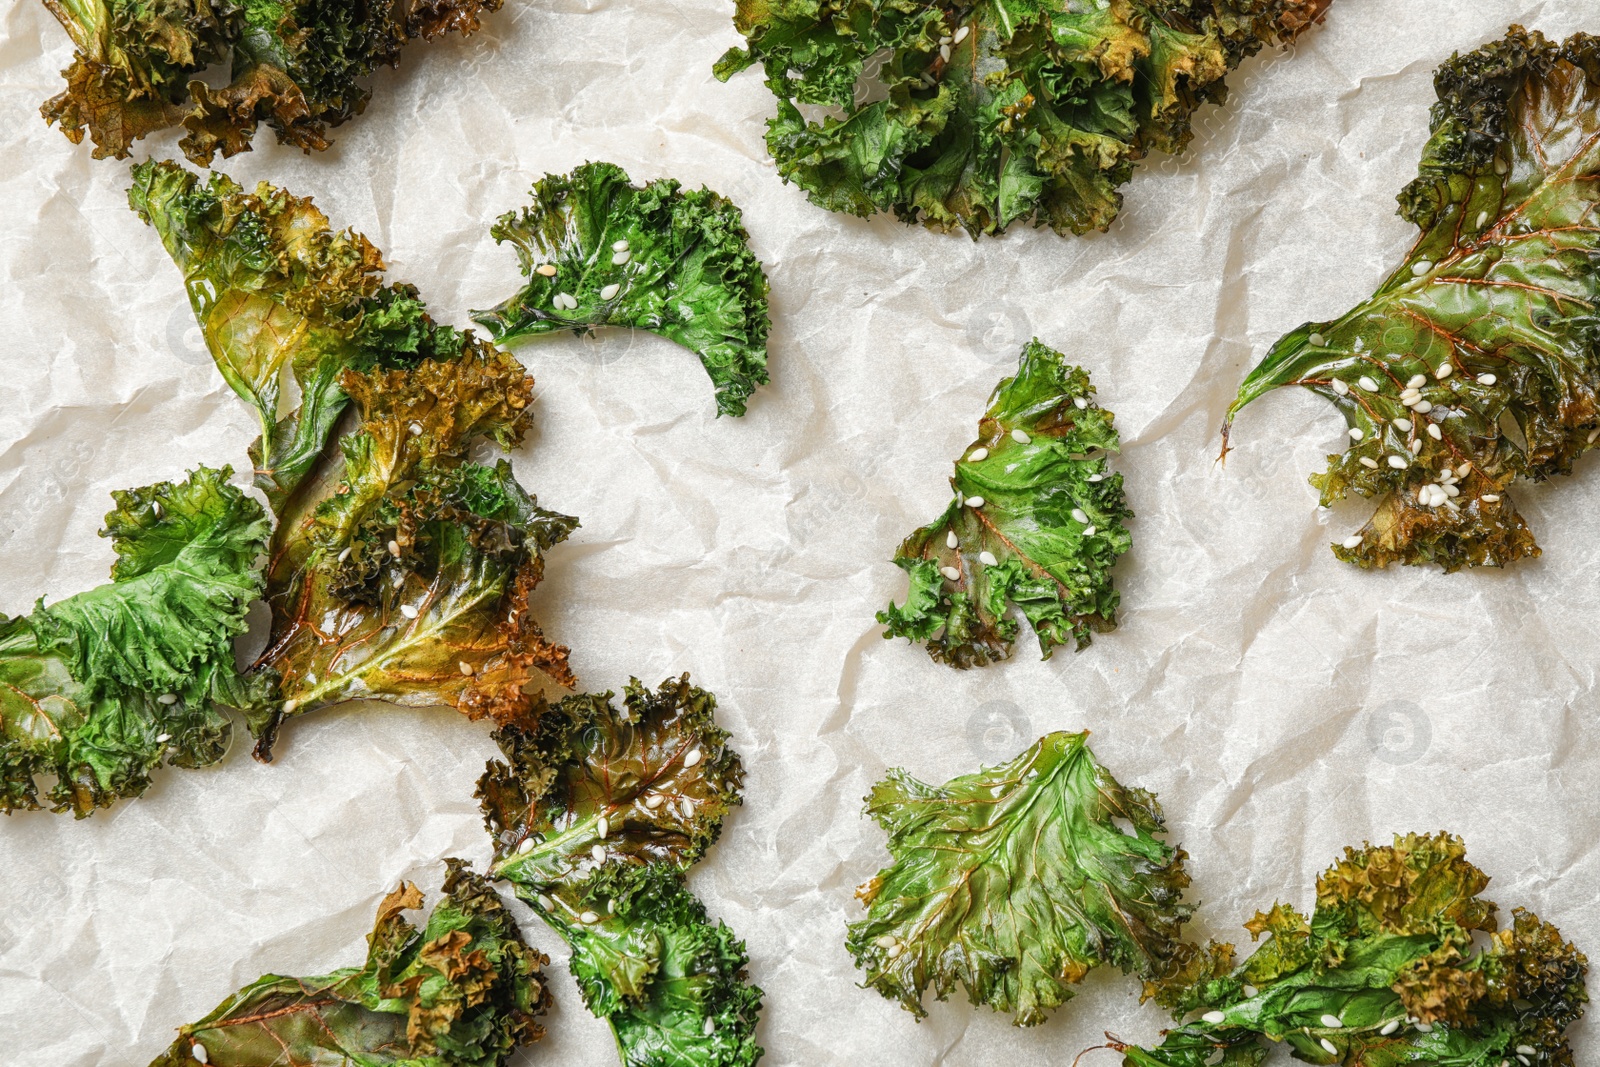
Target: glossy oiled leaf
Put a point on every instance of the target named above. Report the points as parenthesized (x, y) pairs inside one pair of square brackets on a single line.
[(1036, 524), (649, 257), (1475, 363), (597, 816), (298, 65), (1385, 973), (979, 115), (1015, 881), (102, 687), (401, 569), (464, 991)]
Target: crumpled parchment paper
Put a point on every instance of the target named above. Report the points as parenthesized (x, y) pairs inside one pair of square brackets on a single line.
[(1281, 704)]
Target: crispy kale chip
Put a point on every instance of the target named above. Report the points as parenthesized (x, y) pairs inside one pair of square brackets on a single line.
[(601, 252), (977, 115), (1036, 523), (298, 65), (401, 569), (1384, 973), (464, 991), (1476, 362), (597, 816), (101, 688), (1015, 881)]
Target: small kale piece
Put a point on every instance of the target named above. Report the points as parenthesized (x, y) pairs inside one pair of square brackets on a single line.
[(1384, 973), (401, 569), (598, 251), (1490, 322), (597, 815), (464, 991), (299, 65), (1015, 881), (1036, 523), (101, 688), (980, 115)]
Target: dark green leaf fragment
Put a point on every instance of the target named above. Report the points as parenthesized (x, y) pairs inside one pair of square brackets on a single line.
[(464, 991), (978, 115), (1045, 536), (1014, 882), (1476, 362), (597, 816), (599, 251), (101, 688), (1385, 973)]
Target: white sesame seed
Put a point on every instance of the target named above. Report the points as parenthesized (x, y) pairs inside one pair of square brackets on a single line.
[(1077, 513), (692, 758), (598, 854), (1417, 381), (960, 35), (1444, 371), (1421, 267), (944, 52), (1483, 217), (619, 258), (1020, 436), (198, 1051), (1426, 1028), (974, 501), (1356, 433), (1410, 401), (987, 559), (1213, 1017), (603, 828), (588, 917), (416, 429), (1250, 990), (1487, 379), (1416, 446), (1422, 407), (886, 940), (609, 291), (1332, 1022), (1398, 462), (1500, 166), (167, 698), (1329, 1047), (344, 554), (1089, 530), (710, 1026), (1340, 388), (894, 953), (162, 739), (619, 246), (547, 269), (1434, 431), (1490, 498), (1525, 1050), (1367, 383), (1080, 403), (394, 548), (653, 801), (945, 39), (1403, 425), (290, 704), (466, 668), (685, 807), (1389, 1027), (525, 847), (950, 573), (951, 540), (545, 902), (408, 611), (566, 300), (977, 455), (1095, 478), (1368, 461), (1408, 393), (1525, 1061), (1318, 340), (1353, 541)]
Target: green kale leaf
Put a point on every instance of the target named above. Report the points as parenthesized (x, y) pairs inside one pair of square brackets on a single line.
[(1036, 522), (101, 688), (598, 251), (464, 991), (1477, 362), (977, 115), (1015, 881), (597, 814), (1385, 973), (401, 569), (299, 65)]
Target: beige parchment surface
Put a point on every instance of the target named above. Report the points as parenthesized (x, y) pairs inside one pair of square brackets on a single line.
[(1280, 703)]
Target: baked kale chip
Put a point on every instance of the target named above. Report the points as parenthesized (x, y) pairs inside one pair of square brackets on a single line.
[(1476, 362), (299, 65), (401, 568), (597, 816), (599, 251), (1036, 523), (978, 115), (1015, 881), (464, 991), (1386, 972), (101, 688)]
